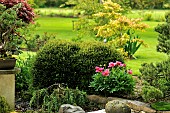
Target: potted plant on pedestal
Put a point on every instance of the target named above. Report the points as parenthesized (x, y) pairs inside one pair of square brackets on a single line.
[(15, 15)]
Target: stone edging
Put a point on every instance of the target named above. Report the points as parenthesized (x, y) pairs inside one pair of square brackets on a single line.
[(136, 106)]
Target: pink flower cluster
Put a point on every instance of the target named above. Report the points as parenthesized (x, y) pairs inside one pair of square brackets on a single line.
[(106, 72), (117, 63)]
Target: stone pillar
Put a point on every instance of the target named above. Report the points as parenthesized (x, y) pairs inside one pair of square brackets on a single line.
[(7, 85)]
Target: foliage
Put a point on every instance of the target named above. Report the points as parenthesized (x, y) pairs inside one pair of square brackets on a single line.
[(23, 80), (71, 63), (54, 3), (39, 3), (144, 4), (4, 107), (132, 44), (164, 35), (157, 75), (14, 16), (36, 42), (161, 106), (109, 23), (113, 80), (50, 102), (151, 94)]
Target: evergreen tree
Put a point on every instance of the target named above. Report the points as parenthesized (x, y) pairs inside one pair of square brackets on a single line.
[(164, 35)]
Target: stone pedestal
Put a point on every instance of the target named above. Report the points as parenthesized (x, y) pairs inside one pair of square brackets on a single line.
[(7, 85)]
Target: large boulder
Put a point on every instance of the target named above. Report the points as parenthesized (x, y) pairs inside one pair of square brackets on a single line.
[(67, 108), (117, 106)]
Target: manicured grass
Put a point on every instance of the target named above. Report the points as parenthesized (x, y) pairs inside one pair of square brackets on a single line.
[(63, 29), (147, 54)]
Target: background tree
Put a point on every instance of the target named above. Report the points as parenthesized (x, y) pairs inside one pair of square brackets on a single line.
[(164, 35)]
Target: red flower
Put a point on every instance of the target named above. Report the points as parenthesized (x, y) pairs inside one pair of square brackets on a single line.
[(122, 65), (118, 63), (106, 72), (111, 64), (129, 71), (99, 69)]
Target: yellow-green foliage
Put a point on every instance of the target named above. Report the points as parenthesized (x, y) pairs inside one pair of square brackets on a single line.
[(111, 23), (151, 94)]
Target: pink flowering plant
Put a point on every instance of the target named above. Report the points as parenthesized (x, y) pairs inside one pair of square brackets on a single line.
[(115, 79)]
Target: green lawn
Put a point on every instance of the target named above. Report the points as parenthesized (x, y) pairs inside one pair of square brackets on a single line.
[(63, 29), (147, 54)]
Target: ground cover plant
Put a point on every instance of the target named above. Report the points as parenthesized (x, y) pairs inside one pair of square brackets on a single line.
[(161, 106)]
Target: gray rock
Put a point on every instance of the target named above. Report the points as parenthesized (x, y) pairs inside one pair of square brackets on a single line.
[(67, 108), (117, 106)]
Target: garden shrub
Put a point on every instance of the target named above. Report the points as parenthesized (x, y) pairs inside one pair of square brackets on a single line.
[(71, 63), (24, 80), (164, 35), (51, 102), (38, 41), (4, 107), (157, 75), (151, 94)]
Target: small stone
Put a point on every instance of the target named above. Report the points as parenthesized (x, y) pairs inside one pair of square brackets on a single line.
[(67, 108), (117, 106)]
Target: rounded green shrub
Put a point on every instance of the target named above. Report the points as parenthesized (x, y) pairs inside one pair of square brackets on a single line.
[(71, 63), (157, 75), (151, 94)]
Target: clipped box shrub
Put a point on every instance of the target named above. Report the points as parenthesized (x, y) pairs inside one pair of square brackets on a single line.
[(151, 94), (71, 63), (157, 75)]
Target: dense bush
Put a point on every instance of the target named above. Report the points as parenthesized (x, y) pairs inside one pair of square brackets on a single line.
[(164, 35), (151, 94), (158, 75), (4, 107), (50, 102), (24, 78), (71, 63)]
